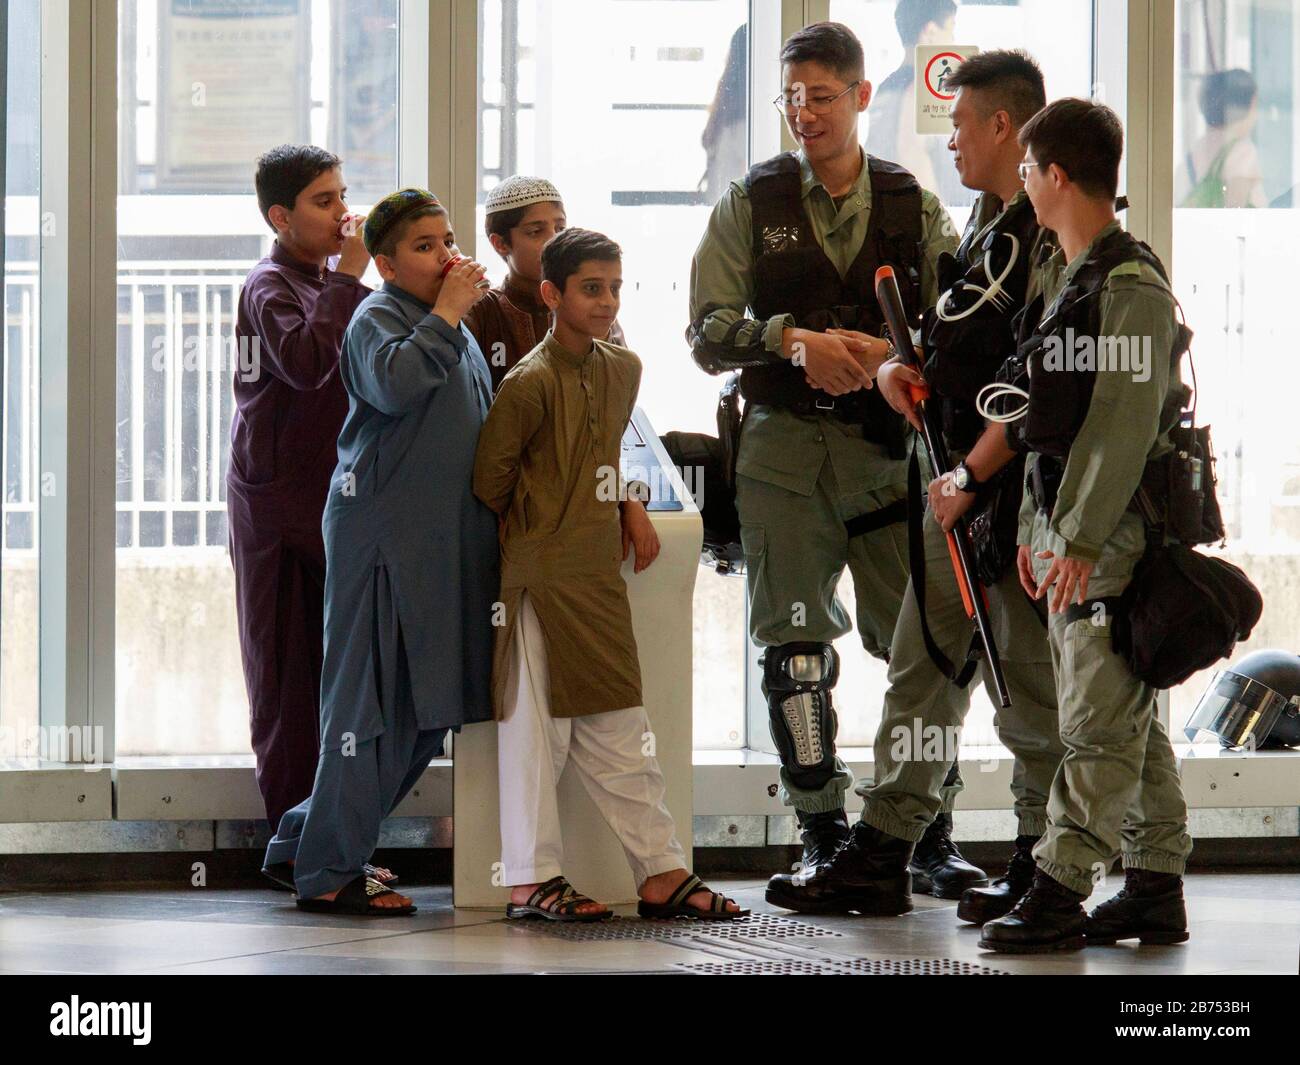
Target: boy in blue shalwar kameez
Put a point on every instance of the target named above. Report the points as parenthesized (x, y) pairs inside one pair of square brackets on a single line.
[(411, 558)]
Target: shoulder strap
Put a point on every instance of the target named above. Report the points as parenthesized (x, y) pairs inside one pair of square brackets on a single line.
[(890, 175), (894, 232), (1122, 247), (775, 190), (895, 196), (783, 164), (1016, 216), (1118, 248), (1110, 604), (1215, 171)]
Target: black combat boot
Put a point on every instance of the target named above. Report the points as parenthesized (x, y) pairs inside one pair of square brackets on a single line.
[(1149, 908), (1048, 917), (867, 875), (822, 836), (938, 868), (984, 904)]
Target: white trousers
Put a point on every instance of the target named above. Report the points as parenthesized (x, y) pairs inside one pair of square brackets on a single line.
[(606, 750)]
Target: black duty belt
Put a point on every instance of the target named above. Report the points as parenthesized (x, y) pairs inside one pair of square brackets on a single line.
[(877, 519), (851, 408)]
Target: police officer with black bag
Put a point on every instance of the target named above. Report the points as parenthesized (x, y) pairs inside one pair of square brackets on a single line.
[(1103, 393)]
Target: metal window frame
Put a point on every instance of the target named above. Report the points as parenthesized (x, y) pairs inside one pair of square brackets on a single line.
[(1149, 124), (1142, 73), (437, 106), (78, 353), (156, 792), (4, 185)]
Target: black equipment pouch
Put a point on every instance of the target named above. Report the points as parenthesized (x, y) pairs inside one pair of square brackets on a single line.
[(712, 462), (1181, 613), (995, 522), (1192, 513), (1176, 496), (1044, 481), (729, 419)]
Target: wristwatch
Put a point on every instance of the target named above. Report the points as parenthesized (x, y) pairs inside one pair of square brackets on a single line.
[(964, 478)]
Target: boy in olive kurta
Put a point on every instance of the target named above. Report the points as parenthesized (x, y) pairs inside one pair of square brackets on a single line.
[(566, 676)]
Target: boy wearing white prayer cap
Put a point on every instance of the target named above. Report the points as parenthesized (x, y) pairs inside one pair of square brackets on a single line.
[(523, 213)]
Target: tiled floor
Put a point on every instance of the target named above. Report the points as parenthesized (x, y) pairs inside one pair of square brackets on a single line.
[(1241, 923)]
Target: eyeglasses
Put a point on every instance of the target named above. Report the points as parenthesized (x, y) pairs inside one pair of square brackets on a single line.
[(1024, 168), (789, 102)]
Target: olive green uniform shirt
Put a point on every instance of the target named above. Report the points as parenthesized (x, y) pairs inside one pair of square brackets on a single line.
[(1121, 431)]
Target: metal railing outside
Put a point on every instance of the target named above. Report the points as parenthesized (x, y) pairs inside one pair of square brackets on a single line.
[(176, 357)]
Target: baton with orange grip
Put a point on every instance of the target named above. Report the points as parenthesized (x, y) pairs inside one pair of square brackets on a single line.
[(973, 596), (919, 394)]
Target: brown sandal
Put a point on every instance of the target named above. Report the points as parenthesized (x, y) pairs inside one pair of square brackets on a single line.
[(677, 906), (563, 905)]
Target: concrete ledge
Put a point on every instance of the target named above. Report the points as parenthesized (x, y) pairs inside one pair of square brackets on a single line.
[(32, 791), (165, 789), (728, 785), (185, 871)]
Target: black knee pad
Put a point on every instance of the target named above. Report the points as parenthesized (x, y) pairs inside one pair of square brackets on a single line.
[(797, 681)]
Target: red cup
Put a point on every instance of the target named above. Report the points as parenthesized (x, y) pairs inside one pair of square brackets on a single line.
[(482, 283)]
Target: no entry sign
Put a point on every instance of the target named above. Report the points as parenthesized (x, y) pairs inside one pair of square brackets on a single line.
[(934, 64)]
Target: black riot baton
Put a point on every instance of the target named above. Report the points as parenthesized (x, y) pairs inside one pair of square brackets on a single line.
[(973, 596)]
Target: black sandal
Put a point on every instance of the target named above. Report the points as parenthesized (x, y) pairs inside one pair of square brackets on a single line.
[(563, 906), (281, 874), (354, 899), (676, 906)]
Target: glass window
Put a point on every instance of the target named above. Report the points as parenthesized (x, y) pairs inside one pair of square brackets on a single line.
[(640, 135), (206, 86), (19, 546), (1235, 225)]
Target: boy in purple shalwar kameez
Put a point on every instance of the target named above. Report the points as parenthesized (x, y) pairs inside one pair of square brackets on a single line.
[(289, 407)]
